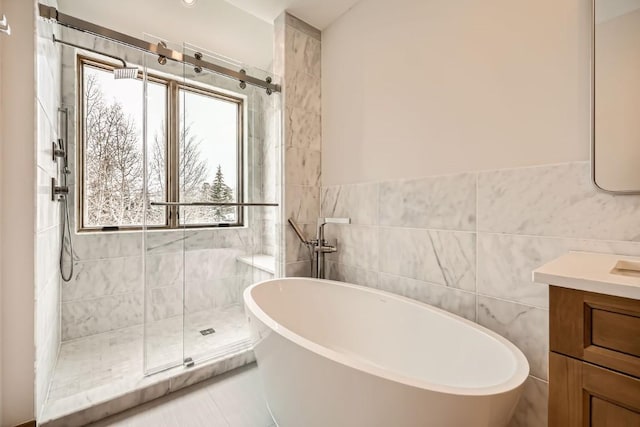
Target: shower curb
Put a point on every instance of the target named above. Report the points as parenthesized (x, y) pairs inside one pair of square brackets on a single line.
[(171, 381)]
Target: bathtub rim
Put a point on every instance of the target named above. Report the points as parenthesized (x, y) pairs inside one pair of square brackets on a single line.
[(516, 380)]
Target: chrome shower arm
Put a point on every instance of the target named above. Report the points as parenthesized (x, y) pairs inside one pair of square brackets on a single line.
[(117, 58)]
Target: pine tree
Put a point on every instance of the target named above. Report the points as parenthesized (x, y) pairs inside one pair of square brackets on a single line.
[(218, 191)]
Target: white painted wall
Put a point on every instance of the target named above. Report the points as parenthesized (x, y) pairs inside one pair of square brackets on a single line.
[(214, 25), (415, 88), (17, 175)]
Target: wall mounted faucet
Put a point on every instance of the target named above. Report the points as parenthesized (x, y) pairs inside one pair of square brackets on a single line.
[(319, 245)]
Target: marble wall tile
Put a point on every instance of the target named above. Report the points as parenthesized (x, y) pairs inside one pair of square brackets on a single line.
[(47, 220), (303, 167), (48, 211), (302, 203), (439, 257), (349, 274), (303, 53), (47, 60), (93, 246), (164, 269), (98, 278), (204, 294), (163, 303), (557, 200), (298, 24), (88, 317), (533, 406), (358, 202), (211, 263), (443, 202), (164, 241), (505, 263), (47, 253), (452, 300), (47, 134), (297, 60), (526, 327), (303, 92), (303, 129), (357, 245), (48, 336), (298, 269)]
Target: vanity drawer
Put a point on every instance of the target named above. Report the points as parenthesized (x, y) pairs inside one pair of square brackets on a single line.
[(596, 328)]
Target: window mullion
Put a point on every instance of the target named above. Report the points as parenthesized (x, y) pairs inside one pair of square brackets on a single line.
[(173, 144)]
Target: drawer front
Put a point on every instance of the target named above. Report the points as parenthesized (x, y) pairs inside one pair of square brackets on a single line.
[(582, 394), (615, 331), (596, 328)]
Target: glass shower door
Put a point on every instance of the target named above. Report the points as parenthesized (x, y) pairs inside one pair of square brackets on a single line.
[(222, 158), (217, 161)]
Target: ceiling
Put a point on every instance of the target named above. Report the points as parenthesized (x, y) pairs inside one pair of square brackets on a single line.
[(319, 13)]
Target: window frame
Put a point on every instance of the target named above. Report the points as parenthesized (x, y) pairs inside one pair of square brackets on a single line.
[(172, 148)]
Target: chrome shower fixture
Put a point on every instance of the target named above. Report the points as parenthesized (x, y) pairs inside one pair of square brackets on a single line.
[(318, 247), (124, 72)]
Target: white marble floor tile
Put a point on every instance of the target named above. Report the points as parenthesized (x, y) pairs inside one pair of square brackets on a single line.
[(113, 361), (231, 400)]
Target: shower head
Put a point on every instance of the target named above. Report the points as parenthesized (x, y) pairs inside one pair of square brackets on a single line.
[(125, 73)]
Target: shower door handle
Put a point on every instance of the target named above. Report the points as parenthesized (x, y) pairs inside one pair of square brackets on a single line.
[(214, 204)]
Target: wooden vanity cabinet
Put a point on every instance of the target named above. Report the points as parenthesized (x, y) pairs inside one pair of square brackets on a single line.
[(594, 359)]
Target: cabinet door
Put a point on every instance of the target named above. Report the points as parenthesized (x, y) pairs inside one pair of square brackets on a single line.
[(582, 394)]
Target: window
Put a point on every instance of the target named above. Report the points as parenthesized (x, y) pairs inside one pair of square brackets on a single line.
[(194, 152)]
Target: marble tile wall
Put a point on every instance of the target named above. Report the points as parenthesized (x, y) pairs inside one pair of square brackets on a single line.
[(297, 60), (468, 242), (47, 238), (185, 270)]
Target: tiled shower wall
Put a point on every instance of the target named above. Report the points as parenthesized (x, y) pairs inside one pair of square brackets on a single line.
[(297, 60), (107, 290), (468, 243), (48, 212)]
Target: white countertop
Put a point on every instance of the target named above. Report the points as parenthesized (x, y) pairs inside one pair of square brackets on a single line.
[(593, 273)]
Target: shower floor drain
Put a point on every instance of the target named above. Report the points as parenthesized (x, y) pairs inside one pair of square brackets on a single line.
[(207, 331)]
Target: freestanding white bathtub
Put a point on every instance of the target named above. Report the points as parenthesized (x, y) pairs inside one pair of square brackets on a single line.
[(332, 354)]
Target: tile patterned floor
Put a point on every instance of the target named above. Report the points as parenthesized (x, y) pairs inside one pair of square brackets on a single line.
[(231, 400), (114, 360)]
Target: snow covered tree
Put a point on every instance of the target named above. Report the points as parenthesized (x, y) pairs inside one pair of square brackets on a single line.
[(113, 161), (218, 191)]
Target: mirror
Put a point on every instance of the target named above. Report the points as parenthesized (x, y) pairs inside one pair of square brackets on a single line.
[(616, 96)]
